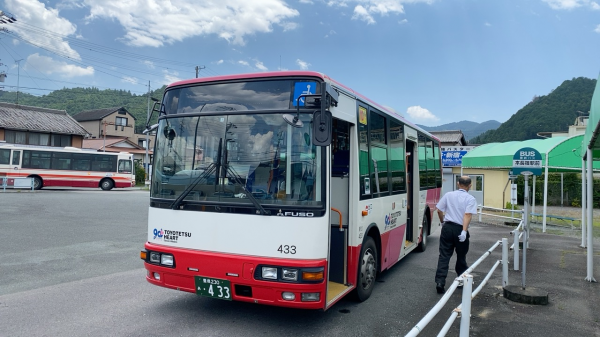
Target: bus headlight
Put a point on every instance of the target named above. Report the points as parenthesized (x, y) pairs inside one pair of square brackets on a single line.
[(289, 274), (154, 257), (269, 273), (166, 259)]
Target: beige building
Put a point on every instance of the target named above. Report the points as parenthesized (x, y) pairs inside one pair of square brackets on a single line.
[(113, 125)]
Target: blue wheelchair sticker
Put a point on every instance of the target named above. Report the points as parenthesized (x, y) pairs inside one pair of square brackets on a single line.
[(303, 88)]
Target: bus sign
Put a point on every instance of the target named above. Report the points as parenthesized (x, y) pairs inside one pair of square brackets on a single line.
[(527, 161)]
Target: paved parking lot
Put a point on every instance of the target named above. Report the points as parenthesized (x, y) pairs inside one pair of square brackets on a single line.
[(70, 267)]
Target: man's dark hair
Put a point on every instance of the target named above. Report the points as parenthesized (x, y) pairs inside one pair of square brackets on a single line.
[(464, 181)]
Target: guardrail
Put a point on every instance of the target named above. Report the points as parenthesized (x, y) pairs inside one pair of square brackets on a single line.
[(481, 207), (465, 307), (6, 182)]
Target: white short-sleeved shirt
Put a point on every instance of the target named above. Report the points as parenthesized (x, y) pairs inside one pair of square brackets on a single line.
[(456, 204)]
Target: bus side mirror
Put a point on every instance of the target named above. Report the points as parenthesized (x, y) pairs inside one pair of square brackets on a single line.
[(322, 128)]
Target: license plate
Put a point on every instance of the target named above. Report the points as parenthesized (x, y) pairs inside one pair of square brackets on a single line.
[(213, 287)]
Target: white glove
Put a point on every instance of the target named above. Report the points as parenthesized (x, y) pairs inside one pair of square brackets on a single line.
[(463, 236)]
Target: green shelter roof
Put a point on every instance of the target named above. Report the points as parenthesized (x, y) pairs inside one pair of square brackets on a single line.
[(564, 154), (593, 125)]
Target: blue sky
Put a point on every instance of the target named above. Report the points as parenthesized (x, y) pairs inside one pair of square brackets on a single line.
[(433, 61)]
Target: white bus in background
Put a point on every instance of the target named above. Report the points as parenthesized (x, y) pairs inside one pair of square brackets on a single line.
[(284, 188), (66, 166)]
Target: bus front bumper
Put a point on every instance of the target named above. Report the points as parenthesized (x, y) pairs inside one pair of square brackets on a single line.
[(191, 267)]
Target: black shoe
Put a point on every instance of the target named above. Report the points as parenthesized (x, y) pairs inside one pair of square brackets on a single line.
[(440, 288)]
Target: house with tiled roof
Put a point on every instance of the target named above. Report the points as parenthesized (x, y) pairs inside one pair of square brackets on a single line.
[(113, 130), (21, 124), (450, 137)]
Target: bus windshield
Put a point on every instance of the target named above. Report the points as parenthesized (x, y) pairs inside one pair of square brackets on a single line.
[(223, 158)]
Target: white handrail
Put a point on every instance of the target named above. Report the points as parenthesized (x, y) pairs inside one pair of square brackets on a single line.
[(466, 277)]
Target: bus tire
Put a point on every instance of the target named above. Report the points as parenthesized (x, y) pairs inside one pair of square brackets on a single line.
[(424, 232), (107, 184), (38, 183), (367, 269)]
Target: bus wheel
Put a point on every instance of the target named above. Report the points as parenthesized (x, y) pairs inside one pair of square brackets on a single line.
[(367, 270), (423, 244), (37, 183), (106, 184)]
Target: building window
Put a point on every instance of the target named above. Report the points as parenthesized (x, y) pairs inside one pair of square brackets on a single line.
[(61, 140), (122, 121)]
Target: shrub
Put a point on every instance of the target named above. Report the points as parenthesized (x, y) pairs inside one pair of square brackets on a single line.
[(576, 202), (510, 206), (140, 174)]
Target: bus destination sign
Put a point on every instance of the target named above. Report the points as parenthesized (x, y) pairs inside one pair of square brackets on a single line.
[(527, 161)]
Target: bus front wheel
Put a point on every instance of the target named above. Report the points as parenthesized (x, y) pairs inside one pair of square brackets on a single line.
[(37, 183), (106, 184), (367, 269)]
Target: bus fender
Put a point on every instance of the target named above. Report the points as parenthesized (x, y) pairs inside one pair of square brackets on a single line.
[(373, 231)]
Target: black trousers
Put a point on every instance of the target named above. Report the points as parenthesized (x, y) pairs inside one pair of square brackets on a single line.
[(448, 243)]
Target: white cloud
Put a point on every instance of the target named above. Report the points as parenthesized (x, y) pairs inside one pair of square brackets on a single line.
[(365, 10), (306, 2), (597, 30), (487, 24), (417, 113), (403, 21), (244, 63), (571, 4), (170, 77), (129, 79), (149, 64), (48, 19), (157, 22), (302, 64), (49, 66), (260, 66), (288, 26), (220, 62), (361, 13), (331, 33)]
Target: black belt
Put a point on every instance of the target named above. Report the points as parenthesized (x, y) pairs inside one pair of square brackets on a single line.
[(454, 223)]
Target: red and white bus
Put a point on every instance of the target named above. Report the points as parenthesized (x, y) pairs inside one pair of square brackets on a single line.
[(284, 188), (66, 166)]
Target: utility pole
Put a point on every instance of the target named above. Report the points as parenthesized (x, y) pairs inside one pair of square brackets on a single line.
[(18, 77), (198, 69), (146, 159)]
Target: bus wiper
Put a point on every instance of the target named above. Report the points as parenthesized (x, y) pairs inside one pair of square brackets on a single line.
[(209, 170), (249, 195)]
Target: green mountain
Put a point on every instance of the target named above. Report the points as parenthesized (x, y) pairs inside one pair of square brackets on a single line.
[(553, 113), (75, 100), (468, 128)]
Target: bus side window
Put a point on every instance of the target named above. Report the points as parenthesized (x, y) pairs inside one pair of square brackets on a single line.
[(124, 166)]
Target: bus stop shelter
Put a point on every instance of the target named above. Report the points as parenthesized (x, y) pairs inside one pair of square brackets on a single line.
[(559, 154), (591, 144)]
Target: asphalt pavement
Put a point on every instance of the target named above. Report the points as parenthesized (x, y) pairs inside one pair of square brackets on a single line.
[(555, 264), (70, 267)]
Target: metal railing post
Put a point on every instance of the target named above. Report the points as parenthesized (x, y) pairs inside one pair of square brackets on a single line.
[(465, 320), (480, 211), (504, 262), (516, 249)]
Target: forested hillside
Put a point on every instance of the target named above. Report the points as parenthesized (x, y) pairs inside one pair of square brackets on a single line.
[(553, 112), (468, 128), (75, 100)]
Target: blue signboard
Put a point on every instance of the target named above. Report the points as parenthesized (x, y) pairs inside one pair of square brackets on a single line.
[(527, 160), (303, 88), (452, 158)]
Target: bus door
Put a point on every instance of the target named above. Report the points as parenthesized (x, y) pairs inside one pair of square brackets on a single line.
[(411, 156), (15, 160), (337, 284)]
